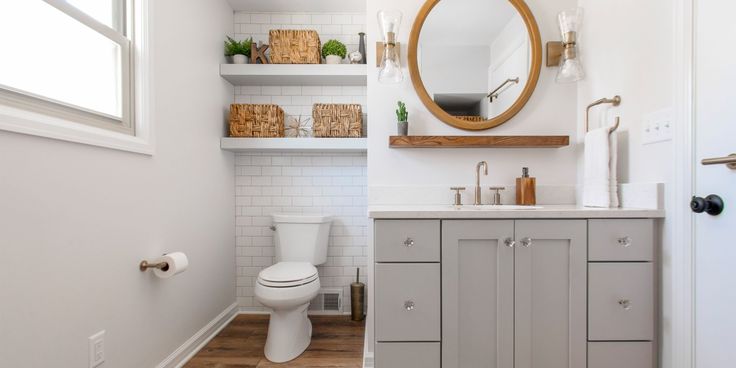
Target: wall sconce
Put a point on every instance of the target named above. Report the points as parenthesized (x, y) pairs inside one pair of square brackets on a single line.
[(390, 66), (565, 54)]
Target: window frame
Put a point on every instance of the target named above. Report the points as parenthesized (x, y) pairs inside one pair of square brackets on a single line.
[(26, 113)]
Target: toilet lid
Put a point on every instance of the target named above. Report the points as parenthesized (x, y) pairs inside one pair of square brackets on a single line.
[(288, 274)]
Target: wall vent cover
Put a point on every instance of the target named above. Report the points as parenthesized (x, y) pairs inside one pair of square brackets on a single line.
[(328, 300)]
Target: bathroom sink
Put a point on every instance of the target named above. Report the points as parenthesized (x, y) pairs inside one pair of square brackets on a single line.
[(502, 207)]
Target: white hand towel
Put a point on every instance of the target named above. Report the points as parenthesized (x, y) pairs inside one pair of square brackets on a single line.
[(600, 183)]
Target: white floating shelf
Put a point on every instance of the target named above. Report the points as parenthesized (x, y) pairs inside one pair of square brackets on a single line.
[(294, 144), (295, 74)]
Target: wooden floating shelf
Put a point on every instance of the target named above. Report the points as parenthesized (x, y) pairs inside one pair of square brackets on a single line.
[(479, 141), (295, 74), (294, 144)]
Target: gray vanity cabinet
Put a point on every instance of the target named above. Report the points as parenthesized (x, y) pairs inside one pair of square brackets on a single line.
[(515, 293), (510, 304)]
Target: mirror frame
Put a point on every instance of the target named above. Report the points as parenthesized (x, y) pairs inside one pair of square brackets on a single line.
[(526, 93)]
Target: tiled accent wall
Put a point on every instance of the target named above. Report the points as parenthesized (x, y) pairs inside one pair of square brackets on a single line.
[(269, 183)]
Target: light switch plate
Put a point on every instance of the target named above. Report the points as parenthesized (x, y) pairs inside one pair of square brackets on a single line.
[(97, 349), (657, 126)]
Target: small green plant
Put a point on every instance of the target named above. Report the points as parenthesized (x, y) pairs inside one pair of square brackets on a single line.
[(401, 112), (234, 47), (334, 47)]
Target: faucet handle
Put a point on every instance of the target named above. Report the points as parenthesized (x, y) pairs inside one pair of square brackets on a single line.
[(496, 196), (458, 196)]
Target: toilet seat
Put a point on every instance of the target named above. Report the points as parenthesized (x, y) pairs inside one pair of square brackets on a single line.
[(288, 275)]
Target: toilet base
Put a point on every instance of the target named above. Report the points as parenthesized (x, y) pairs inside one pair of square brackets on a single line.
[(289, 334)]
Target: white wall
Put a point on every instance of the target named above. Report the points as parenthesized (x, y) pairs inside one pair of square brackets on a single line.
[(627, 49), (300, 182), (551, 110), (75, 220), (467, 64)]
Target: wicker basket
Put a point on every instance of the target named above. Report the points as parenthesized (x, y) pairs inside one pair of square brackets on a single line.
[(248, 120), (337, 120), (289, 46), (473, 118)]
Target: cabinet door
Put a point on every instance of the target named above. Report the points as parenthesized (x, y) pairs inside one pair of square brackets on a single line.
[(550, 293), (477, 294)]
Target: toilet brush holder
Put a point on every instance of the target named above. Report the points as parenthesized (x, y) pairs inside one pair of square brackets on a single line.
[(357, 298)]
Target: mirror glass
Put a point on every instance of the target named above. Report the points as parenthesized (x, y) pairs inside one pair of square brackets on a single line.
[(474, 57)]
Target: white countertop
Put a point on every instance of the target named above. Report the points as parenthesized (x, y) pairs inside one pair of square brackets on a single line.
[(511, 212)]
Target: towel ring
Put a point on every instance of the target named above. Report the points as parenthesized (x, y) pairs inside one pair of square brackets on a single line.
[(615, 101)]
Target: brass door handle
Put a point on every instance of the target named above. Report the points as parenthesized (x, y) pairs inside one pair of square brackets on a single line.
[(729, 161)]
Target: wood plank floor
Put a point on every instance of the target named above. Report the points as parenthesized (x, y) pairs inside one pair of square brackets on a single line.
[(337, 341)]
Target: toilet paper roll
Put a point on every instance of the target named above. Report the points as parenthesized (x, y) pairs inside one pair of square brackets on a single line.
[(177, 263)]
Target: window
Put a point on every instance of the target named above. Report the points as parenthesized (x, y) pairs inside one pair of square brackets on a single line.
[(71, 61)]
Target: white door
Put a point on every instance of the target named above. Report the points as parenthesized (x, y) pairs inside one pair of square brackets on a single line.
[(715, 136)]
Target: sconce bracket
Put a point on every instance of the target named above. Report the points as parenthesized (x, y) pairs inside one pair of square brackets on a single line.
[(554, 53), (379, 51)]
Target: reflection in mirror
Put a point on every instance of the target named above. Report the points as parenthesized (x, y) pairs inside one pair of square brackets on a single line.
[(474, 57)]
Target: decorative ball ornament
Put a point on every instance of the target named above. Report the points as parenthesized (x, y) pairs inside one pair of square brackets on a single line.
[(355, 57)]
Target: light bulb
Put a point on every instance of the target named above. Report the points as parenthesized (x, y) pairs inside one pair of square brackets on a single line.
[(390, 67)]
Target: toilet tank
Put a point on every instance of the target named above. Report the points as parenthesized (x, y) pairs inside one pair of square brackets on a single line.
[(301, 238)]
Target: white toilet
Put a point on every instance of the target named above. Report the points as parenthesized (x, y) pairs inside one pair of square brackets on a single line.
[(289, 285)]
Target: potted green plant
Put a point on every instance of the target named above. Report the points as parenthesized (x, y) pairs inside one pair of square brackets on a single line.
[(239, 51), (402, 117), (334, 51)]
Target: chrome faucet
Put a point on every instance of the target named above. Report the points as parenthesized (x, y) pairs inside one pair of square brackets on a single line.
[(477, 180)]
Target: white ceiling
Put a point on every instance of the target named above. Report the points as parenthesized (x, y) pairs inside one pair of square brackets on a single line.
[(357, 6), (466, 22)]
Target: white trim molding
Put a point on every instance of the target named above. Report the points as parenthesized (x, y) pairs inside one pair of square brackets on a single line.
[(25, 121), (682, 351), (194, 344)]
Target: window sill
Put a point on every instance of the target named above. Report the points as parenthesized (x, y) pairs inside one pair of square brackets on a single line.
[(31, 123)]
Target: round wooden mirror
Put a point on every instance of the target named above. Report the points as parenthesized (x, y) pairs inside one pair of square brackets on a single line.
[(474, 63)]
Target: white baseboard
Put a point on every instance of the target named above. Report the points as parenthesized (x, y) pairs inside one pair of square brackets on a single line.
[(194, 344), (368, 360)]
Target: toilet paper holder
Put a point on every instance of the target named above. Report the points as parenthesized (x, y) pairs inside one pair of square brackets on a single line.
[(144, 265)]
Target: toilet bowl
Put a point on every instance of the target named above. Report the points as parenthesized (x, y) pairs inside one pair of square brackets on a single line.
[(287, 287)]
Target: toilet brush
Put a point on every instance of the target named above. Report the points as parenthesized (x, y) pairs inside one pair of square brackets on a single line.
[(357, 296)]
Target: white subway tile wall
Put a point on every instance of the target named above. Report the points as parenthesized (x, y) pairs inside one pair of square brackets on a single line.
[(332, 183)]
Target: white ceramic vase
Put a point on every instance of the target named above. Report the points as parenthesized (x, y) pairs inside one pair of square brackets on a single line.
[(333, 59), (240, 59)]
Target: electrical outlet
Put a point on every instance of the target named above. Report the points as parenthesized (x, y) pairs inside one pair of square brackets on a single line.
[(97, 349), (657, 127)]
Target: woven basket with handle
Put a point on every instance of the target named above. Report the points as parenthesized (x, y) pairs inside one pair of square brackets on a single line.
[(337, 120), (292, 46), (248, 120)]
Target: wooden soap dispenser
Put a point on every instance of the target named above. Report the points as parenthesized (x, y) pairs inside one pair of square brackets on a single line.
[(526, 188)]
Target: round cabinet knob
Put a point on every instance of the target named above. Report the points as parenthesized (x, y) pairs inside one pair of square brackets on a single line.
[(409, 305), (526, 242), (624, 242), (409, 242), (625, 304), (509, 242)]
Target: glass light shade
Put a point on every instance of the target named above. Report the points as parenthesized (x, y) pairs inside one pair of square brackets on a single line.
[(570, 71), (390, 67), (570, 21)]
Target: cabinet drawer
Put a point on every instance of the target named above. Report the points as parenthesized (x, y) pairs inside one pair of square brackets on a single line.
[(621, 240), (407, 355), (407, 240), (407, 302), (620, 301), (620, 354)]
